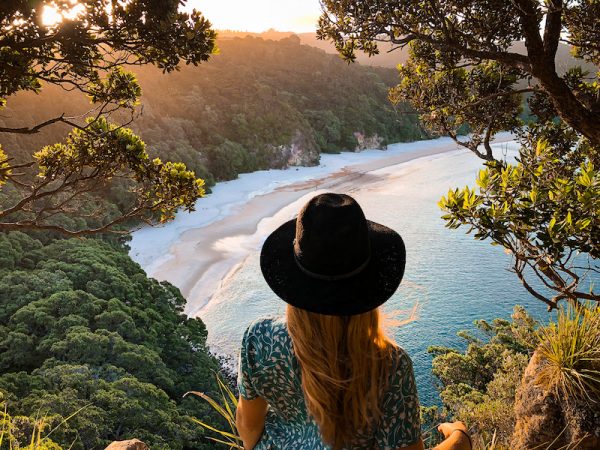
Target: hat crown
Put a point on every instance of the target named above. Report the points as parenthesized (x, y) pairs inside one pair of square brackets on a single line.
[(332, 236)]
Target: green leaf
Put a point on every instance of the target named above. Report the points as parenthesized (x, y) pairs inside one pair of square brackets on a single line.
[(569, 218), (533, 195), (551, 225)]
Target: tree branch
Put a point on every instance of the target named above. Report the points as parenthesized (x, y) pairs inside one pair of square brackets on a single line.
[(499, 94), (33, 225), (552, 29), (37, 128), (519, 271)]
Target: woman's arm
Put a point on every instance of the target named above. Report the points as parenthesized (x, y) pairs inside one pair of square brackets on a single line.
[(250, 420)]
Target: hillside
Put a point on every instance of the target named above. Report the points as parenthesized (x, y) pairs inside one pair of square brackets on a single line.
[(267, 100), (84, 332), (258, 104)]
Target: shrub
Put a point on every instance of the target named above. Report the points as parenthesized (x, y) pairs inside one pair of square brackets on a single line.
[(478, 386)]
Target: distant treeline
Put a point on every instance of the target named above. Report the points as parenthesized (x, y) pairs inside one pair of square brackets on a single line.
[(258, 104)]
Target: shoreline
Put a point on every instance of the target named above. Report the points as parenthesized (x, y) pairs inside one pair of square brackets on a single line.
[(202, 254)]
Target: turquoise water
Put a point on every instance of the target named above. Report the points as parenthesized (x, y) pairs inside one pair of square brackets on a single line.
[(451, 280)]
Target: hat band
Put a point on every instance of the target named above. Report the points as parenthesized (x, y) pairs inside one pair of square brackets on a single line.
[(343, 276)]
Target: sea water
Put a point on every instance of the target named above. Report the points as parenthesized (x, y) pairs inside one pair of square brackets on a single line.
[(451, 280)]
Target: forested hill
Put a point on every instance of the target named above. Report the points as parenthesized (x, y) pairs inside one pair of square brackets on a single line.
[(257, 104), (385, 57)]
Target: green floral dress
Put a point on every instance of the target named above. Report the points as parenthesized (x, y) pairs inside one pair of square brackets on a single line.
[(269, 369)]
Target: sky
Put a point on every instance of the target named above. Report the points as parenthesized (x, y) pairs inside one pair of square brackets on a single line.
[(259, 15)]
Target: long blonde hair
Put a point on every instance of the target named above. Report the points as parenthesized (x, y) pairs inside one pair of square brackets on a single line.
[(345, 364)]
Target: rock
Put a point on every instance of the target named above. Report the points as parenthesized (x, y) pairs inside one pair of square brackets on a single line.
[(301, 151), (132, 444), (547, 422), (365, 142)]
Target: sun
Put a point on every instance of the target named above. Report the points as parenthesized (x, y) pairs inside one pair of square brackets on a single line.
[(53, 15)]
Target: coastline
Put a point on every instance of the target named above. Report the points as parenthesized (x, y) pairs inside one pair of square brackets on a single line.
[(200, 251)]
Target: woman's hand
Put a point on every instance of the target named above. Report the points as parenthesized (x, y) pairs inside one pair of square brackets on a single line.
[(448, 428), (456, 437)]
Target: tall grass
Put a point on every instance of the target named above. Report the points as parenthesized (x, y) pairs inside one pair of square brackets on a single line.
[(571, 350), (11, 429), (226, 407), (481, 442), (15, 430)]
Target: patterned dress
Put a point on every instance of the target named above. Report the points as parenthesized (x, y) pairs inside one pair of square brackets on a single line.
[(269, 369)]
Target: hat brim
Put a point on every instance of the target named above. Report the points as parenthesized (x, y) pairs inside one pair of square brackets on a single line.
[(363, 292)]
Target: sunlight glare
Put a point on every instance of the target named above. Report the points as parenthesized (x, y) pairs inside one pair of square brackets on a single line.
[(259, 15), (76, 11), (51, 16)]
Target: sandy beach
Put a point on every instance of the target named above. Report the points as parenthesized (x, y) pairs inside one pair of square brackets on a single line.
[(198, 253)]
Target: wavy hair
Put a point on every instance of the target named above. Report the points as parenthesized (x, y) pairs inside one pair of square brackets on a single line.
[(345, 363)]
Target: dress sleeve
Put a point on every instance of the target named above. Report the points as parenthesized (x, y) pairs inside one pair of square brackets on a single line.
[(401, 423), (247, 365)]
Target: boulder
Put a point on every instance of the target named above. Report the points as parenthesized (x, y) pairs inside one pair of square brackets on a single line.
[(547, 422), (368, 142), (301, 151), (132, 444)]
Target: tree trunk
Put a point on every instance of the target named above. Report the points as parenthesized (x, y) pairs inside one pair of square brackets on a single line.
[(571, 110)]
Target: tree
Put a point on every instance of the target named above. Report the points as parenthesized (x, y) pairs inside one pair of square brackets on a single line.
[(85, 48), (447, 36), (467, 71), (82, 326)]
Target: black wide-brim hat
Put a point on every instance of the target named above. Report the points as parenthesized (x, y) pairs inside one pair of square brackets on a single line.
[(331, 260)]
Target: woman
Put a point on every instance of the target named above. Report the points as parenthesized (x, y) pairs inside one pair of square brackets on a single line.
[(328, 376)]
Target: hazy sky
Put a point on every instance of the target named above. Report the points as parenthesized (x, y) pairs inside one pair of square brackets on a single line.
[(260, 15)]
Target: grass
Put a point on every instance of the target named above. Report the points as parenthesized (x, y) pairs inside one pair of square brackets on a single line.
[(571, 350), (226, 407)]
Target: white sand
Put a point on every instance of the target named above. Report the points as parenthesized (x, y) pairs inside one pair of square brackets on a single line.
[(197, 251)]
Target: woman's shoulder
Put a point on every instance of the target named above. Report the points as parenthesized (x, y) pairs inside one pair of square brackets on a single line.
[(400, 354), (266, 326), (401, 362), (266, 342)]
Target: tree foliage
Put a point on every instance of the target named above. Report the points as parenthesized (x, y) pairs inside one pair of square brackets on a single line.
[(468, 71), (83, 329), (545, 210), (85, 51), (478, 386), (451, 34), (454, 100)]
